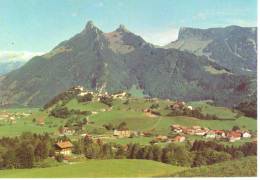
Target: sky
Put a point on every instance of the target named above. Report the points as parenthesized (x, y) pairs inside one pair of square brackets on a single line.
[(34, 27)]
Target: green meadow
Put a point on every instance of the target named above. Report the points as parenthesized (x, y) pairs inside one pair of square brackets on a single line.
[(97, 168)]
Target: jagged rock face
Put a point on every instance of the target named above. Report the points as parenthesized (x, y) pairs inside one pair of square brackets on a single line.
[(233, 47), (117, 61)]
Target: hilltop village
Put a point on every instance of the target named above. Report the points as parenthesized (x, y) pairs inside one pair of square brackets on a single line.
[(177, 132)]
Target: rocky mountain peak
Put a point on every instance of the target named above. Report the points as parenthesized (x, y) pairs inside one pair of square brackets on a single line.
[(121, 28), (90, 27)]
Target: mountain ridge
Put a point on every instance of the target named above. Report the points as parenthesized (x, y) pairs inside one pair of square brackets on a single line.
[(119, 60), (232, 47)]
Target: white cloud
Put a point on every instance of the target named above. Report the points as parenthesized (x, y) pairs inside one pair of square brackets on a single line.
[(18, 55), (160, 37)]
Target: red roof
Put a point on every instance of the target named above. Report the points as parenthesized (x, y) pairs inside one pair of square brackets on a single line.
[(64, 144), (234, 134), (178, 138)]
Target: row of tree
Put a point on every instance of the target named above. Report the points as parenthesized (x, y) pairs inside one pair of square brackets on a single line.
[(64, 112), (24, 151), (193, 113), (28, 149), (197, 154)]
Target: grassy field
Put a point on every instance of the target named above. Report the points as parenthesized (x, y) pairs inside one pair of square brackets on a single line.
[(139, 140), (246, 167), (26, 124), (132, 114), (97, 168)]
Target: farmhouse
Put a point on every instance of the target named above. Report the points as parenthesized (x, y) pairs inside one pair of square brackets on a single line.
[(67, 131), (122, 133), (40, 121), (200, 132), (189, 131), (64, 148), (196, 127), (177, 105), (151, 113), (246, 135), (211, 134), (220, 133), (179, 138), (120, 95), (190, 107), (233, 136), (161, 138)]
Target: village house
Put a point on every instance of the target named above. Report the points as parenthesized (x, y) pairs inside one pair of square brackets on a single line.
[(196, 127), (88, 137), (233, 136), (200, 132), (246, 134), (161, 138), (122, 133), (210, 134), (179, 138), (80, 88), (120, 95), (220, 133), (150, 112), (190, 107), (67, 131), (40, 121), (177, 105), (189, 131), (11, 120), (175, 126), (147, 134), (64, 148)]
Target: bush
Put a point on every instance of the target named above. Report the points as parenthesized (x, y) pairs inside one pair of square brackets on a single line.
[(86, 98), (49, 162), (60, 112), (59, 157), (106, 100)]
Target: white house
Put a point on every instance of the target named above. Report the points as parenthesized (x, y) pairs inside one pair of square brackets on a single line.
[(210, 134), (246, 135)]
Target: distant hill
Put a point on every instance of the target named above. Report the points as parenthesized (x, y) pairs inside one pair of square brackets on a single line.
[(121, 60), (232, 47), (8, 66)]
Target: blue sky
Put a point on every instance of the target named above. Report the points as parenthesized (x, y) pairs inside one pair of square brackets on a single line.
[(36, 26)]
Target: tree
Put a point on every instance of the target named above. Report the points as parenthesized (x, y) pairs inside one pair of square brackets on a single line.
[(120, 152), (60, 112), (167, 156), (182, 156), (25, 155), (106, 100), (235, 128), (59, 157), (199, 160), (157, 153), (107, 152), (41, 151), (92, 151), (122, 125), (9, 159), (86, 98)]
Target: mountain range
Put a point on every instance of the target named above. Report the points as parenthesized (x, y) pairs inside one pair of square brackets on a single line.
[(121, 60), (233, 47)]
